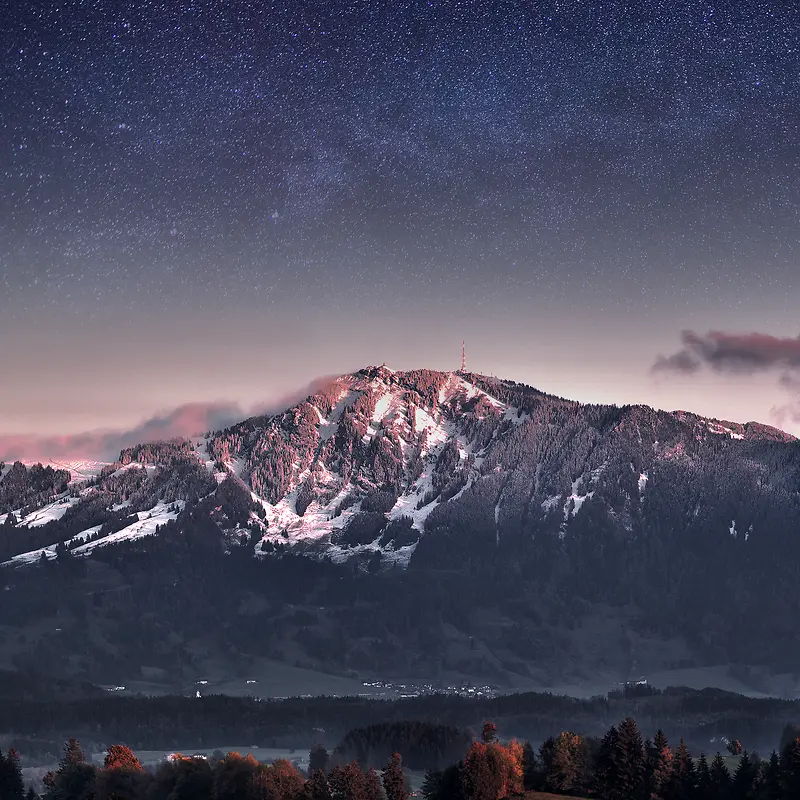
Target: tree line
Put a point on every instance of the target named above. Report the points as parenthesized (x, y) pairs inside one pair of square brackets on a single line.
[(620, 766)]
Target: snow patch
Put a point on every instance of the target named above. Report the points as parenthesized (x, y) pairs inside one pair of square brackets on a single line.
[(643, 478)]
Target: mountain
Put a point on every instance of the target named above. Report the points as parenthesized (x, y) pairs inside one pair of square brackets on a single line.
[(421, 524)]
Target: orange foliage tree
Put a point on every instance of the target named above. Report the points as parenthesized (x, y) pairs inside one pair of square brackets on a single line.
[(492, 771)]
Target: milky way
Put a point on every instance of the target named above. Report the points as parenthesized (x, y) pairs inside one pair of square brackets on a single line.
[(507, 158)]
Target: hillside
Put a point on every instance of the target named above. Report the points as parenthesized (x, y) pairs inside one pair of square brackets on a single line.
[(420, 525)]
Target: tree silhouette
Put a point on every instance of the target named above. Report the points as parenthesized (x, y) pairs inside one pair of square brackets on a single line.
[(394, 780)]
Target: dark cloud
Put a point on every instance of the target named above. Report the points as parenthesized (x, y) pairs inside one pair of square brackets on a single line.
[(733, 353), (186, 420), (682, 362)]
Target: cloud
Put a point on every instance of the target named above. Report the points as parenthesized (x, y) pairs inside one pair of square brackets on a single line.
[(741, 354), (732, 353), (186, 420), (681, 362)]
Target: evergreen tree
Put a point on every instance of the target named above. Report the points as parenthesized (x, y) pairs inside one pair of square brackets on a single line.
[(770, 779), (318, 759), (659, 766), (529, 766), (444, 784), (73, 755), (489, 732), (790, 769), (431, 784), (605, 766), (567, 764), (682, 781), (744, 778), (74, 779), (720, 785), (11, 783), (630, 762), (703, 778), (394, 780)]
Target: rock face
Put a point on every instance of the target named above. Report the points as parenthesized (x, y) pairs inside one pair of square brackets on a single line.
[(380, 461), (508, 530)]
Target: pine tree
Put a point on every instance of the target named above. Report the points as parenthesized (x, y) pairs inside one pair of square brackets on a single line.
[(489, 732), (318, 759), (770, 779), (529, 766), (431, 784), (605, 767), (720, 786), (74, 779), (73, 755), (567, 764), (659, 766), (744, 778), (11, 783), (682, 781), (703, 778), (630, 762), (790, 769), (394, 780)]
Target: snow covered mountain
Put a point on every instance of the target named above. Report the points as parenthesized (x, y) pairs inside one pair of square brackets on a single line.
[(373, 462), (475, 525)]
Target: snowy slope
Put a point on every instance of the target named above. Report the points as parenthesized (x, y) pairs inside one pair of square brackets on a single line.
[(145, 526)]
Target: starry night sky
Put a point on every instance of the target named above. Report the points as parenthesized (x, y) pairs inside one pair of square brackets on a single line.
[(209, 200)]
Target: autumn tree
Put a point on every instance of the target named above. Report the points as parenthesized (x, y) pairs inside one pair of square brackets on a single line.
[(489, 732), (394, 780), (372, 786), (347, 782), (184, 779), (232, 776), (121, 757), (277, 781), (735, 747), (317, 787)]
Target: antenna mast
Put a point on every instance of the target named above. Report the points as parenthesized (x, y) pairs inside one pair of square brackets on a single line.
[(463, 357)]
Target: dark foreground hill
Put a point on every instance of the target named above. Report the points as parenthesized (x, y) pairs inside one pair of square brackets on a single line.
[(420, 525)]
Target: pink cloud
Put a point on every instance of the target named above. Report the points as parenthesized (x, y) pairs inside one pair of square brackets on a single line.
[(190, 419)]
